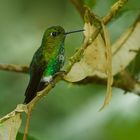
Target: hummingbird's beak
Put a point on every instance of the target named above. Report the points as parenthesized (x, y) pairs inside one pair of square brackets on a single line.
[(66, 33)]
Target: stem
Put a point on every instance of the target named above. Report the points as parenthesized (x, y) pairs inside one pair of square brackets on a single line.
[(14, 68), (27, 123)]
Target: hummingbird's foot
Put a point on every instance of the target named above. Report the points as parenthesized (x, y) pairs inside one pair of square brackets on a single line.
[(49, 80), (59, 73), (52, 83)]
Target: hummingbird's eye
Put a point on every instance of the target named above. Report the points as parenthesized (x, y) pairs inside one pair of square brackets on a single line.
[(54, 34)]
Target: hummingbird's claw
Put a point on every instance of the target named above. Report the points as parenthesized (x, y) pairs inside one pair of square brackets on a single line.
[(60, 73)]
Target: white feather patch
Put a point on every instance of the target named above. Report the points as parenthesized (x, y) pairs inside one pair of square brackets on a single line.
[(47, 79)]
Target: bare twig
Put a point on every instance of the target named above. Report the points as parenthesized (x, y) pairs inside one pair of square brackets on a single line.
[(124, 81), (27, 123), (127, 82), (114, 10), (14, 68)]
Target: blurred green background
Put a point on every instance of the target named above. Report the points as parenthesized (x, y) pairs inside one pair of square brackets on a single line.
[(69, 112)]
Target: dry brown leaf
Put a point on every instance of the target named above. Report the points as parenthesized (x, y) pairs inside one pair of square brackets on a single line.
[(9, 128), (125, 49), (93, 61), (96, 61), (109, 67), (10, 123)]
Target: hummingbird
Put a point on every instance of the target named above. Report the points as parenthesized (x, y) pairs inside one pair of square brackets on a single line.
[(47, 60)]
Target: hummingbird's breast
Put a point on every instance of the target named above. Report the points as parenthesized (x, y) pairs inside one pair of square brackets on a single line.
[(55, 62)]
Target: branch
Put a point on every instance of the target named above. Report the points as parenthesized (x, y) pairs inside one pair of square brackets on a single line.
[(127, 82), (14, 68), (124, 81), (114, 10)]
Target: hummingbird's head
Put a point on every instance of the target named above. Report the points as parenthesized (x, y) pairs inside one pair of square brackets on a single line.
[(54, 35)]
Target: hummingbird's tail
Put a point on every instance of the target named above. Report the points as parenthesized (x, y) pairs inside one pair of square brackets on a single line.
[(32, 92), (32, 87)]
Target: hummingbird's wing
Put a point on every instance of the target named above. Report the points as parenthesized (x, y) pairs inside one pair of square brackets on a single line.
[(35, 77)]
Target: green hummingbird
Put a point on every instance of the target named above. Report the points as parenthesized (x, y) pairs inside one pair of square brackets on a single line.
[(47, 60)]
